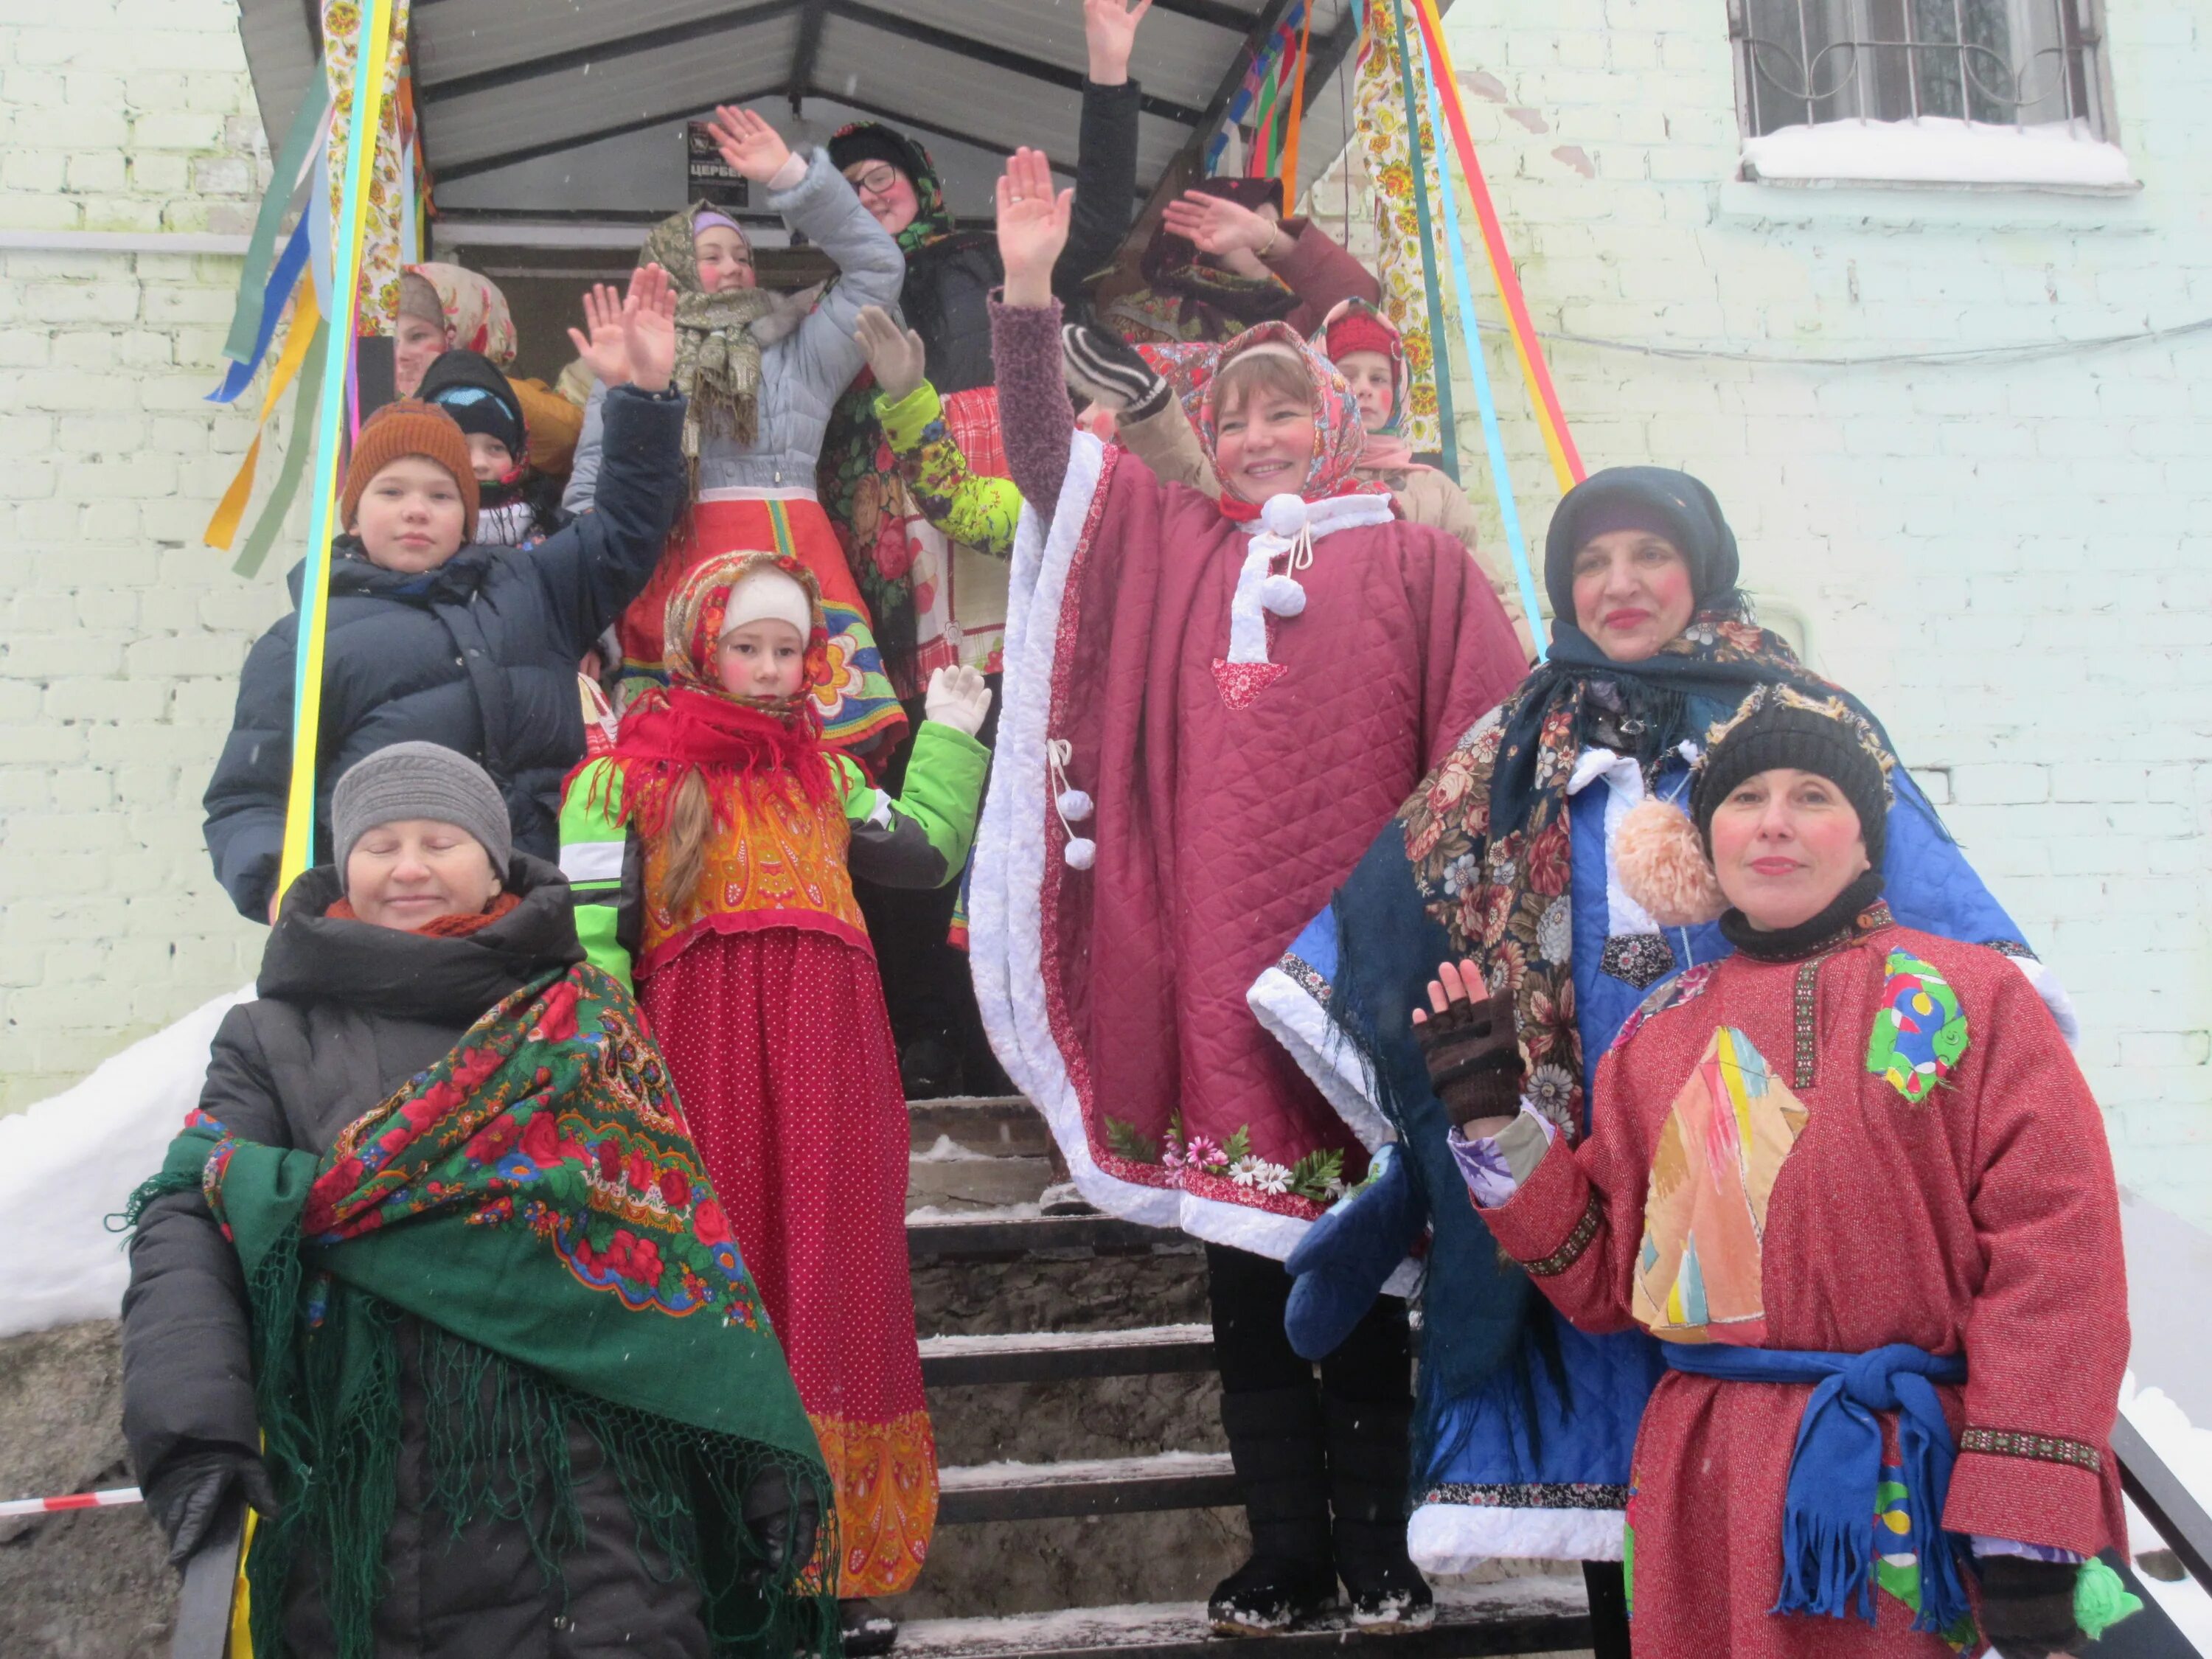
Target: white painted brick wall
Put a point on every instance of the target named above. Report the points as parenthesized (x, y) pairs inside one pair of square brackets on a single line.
[(122, 634), (2013, 563)]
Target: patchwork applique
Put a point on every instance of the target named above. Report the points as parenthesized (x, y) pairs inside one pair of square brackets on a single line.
[(1919, 1030), (1698, 1271), (1896, 1567)]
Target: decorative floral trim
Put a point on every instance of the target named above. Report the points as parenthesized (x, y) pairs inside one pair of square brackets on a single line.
[(1571, 1252), (2041, 1448), (1539, 1495), (1805, 1023), (1637, 959), (1318, 1177), (1306, 977)]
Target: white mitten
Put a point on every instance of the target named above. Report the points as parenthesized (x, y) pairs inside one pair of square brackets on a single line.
[(959, 698)]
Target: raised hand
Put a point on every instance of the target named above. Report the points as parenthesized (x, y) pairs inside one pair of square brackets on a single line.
[(1032, 226), (959, 698), (751, 147), (600, 342), (1109, 30), (1220, 227), (1467, 1037), (648, 328), (895, 354)]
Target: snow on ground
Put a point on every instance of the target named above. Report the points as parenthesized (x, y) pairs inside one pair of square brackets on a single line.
[(1141, 1335), (69, 1162), (2187, 1451), (1938, 150)]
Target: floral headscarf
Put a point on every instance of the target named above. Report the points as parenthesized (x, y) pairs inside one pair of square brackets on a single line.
[(1341, 442), (476, 311), (738, 743)]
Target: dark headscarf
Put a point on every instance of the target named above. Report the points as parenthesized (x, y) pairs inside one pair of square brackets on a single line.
[(1654, 498), (466, 386), (872, 141)]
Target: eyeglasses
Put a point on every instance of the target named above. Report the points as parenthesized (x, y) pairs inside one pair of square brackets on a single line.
[(875, 180)]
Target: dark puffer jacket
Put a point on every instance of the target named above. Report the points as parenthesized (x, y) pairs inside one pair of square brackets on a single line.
[(480, 654), (949, 278), (347, 1013)]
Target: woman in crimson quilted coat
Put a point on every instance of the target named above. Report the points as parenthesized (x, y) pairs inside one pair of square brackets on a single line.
[(1211, 704)]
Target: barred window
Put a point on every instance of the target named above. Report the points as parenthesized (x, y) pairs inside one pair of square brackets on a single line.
[(2009, 63)]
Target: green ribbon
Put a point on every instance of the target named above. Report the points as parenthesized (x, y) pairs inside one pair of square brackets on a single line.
[(298, 443), (283, 185)]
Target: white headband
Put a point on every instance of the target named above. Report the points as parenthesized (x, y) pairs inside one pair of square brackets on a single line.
[(769, 595)]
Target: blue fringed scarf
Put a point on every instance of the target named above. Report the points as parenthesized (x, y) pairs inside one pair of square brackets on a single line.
[(1827, 1519)]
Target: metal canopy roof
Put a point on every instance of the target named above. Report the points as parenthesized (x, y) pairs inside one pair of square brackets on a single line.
[(504, 83)]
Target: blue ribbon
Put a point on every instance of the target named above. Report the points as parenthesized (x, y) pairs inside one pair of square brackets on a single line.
[(282, 280), (1835, 1472)]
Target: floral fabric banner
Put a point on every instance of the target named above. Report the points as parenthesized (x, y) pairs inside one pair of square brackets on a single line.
[(389, 187), (1379, 120)]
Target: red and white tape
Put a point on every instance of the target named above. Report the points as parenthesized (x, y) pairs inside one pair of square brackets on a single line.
[(12, 1507)]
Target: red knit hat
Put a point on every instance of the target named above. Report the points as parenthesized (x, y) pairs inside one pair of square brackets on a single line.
[(411, 426), (1360, 330)]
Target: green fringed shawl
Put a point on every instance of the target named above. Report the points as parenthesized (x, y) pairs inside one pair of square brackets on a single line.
[(718, 360), (536, 1202)]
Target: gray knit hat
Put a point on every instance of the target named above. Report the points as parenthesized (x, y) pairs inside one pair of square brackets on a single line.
[(420, 780)]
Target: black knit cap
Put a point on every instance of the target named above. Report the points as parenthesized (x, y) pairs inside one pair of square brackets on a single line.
[(1824, 738), (469, 386), (1654, 498), (872, 141)]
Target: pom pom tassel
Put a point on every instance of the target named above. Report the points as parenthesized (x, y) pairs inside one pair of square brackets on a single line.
[(1081, 852), (1284, 596), (1663, 866), (1075, 805)]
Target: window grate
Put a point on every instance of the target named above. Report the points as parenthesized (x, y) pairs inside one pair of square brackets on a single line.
[(2010, 63)]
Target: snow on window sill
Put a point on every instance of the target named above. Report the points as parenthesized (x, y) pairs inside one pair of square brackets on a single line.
[(1938, 152)]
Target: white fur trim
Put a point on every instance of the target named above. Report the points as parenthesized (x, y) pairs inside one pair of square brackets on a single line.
[(1005, 902), (2053, 992), (1452, 1538), (1288, 1012)]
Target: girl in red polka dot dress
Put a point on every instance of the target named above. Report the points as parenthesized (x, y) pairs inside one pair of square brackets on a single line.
[(713, 855)]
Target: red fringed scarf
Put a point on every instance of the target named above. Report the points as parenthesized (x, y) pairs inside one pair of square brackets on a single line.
[(736, 747)]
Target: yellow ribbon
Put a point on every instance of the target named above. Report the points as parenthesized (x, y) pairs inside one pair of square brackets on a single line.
[(222, 528)]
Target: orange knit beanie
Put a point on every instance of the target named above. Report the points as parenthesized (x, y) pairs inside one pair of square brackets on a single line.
[(411, 426)]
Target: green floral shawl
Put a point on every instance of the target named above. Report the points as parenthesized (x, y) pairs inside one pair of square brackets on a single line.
[(535, 1201)]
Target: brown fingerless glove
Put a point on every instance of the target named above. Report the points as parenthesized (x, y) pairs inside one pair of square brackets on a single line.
[(1473, 1057)]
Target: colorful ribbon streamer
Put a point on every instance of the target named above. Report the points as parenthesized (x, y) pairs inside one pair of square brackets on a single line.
[(286, 489), (372, 47), (269, 308), (1486, 400), (1566, 461), (1290, 153), (248, 321), (305, 331)]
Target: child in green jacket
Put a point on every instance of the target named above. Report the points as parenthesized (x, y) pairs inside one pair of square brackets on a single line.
[(712, 855)]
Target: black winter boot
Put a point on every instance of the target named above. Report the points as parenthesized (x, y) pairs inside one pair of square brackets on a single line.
[(1275, 1440), (1369, 1460)]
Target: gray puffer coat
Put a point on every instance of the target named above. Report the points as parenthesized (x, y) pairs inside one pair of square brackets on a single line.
[(808, 356)]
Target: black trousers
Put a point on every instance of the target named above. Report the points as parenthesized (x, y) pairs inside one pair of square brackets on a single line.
[(1249, 1294), (929, 991)]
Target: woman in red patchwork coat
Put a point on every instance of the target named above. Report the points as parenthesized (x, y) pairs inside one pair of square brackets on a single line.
[(1853, 1181)]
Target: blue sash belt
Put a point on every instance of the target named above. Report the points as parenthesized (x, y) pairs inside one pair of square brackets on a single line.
[(1828, 1517)]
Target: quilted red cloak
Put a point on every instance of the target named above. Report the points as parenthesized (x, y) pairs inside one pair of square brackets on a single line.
[(1226, 798)]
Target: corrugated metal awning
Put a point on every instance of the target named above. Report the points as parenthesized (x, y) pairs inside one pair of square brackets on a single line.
[(523, 100)]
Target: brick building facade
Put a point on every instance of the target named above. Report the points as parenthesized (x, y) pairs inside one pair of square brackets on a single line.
[(2010, 555)]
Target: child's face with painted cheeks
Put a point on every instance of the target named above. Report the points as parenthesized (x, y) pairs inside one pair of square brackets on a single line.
[(723, 258), (489, 459), (763, 659)]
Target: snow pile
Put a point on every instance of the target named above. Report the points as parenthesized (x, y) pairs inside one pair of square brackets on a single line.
[(69, 1162), (1937, 149), (2186, 1450)]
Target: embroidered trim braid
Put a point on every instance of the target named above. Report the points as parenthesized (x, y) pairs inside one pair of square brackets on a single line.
[(2011, 947), (1802, 1065), (1538, 1495), (1571, 1252), (2042, 1448)]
